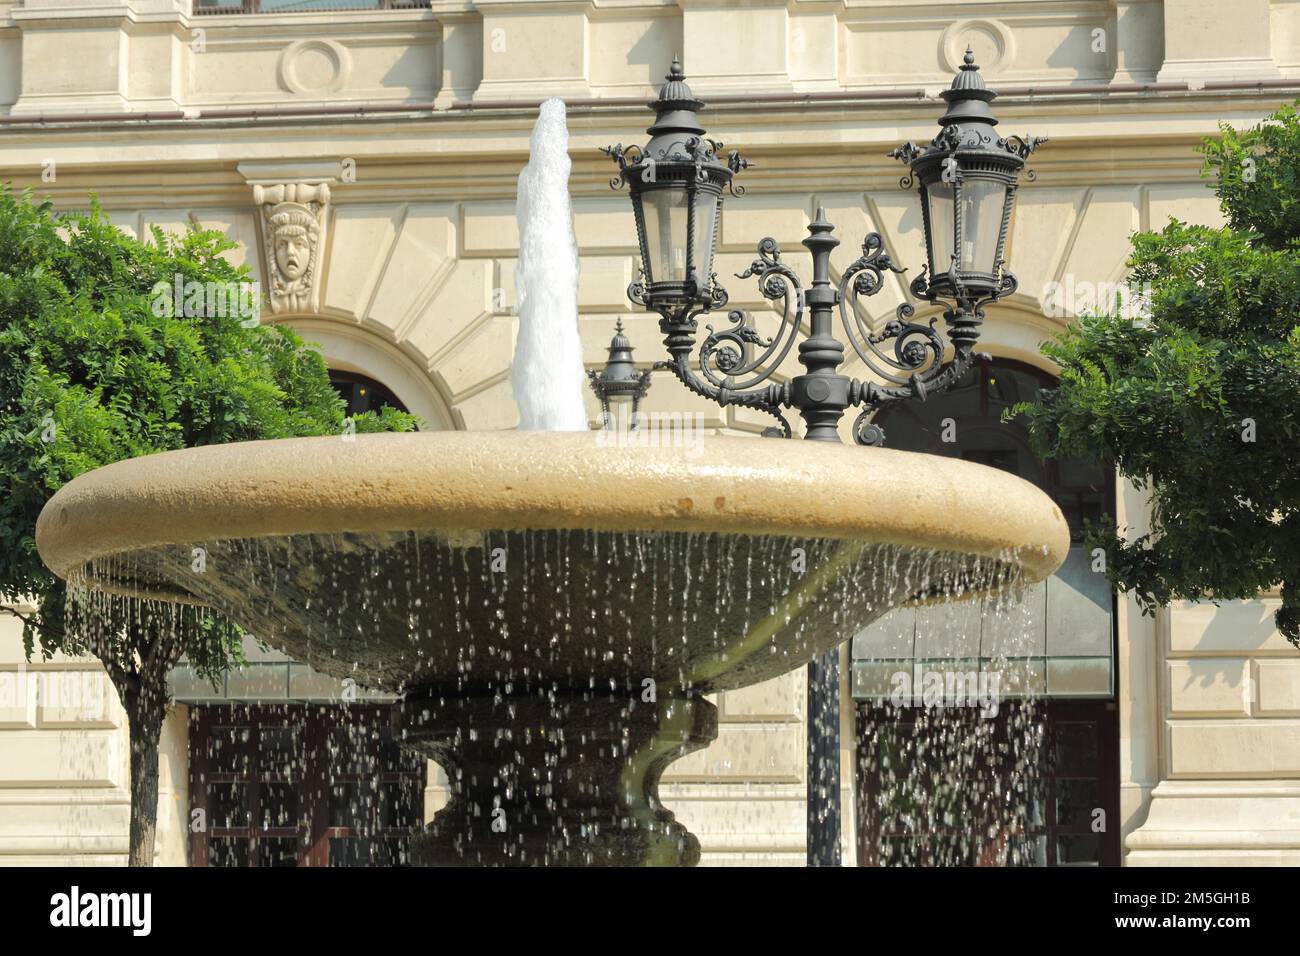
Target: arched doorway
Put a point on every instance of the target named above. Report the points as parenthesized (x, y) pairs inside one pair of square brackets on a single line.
[(966, 422), (354, 353), (987, 735)]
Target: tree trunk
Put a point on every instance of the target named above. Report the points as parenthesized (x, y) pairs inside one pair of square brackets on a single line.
[(145, 719)]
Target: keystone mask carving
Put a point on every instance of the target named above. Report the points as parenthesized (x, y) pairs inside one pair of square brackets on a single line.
[(293, 228)]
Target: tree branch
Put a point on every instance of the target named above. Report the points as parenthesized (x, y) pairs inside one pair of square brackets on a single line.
[(124, 680), (35, 625)]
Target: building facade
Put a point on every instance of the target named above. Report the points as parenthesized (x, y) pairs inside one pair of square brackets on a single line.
[(364, 162)]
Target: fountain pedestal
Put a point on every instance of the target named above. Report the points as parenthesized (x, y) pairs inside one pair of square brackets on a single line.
[(555, 779)]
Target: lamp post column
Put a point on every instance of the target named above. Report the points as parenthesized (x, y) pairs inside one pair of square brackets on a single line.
[(822, 394), (679, 166), (823, 771)]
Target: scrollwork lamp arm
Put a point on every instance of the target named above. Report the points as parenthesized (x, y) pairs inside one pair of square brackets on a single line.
[(720, 354), (736, 363)]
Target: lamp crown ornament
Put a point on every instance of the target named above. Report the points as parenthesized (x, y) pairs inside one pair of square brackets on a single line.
[(675, 98), (620, 349), (968, 75), (967, 177)]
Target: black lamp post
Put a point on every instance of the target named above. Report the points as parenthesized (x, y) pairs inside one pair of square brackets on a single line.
[(619, 385), (968, 177)]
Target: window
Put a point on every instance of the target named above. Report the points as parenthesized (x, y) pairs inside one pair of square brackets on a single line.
[(933, 786), (213, 7), (362, 393), (301, 785), (1059, 640)]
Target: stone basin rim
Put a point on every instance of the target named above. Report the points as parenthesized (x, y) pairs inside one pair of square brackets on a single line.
[(449, 481)]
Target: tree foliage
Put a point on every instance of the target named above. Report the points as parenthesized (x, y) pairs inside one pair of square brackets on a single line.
[(97, 364), (1199, 399)]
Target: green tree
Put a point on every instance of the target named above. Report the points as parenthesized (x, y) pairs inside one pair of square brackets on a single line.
[(1198, 400), (97, 364)]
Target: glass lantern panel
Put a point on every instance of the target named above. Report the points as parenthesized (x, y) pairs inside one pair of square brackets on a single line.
[(665, 227), (665, 234), (706, 221), (940, 197), (983, 201)]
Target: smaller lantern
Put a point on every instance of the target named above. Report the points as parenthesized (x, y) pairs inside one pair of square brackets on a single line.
[(619, 386)]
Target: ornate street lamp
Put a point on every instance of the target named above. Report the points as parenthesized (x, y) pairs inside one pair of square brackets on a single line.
[(968, 177), (619, 385), (676, 181)]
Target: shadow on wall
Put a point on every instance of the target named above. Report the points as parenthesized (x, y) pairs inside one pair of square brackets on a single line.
[(1231, 626)]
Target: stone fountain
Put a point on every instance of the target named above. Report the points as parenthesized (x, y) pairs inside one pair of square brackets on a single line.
[(554, 609)]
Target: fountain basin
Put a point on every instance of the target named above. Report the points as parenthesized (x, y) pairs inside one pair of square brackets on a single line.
[(551, 599), (374, 558)]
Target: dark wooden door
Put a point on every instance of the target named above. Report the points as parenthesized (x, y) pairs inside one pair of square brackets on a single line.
[(301, 785)]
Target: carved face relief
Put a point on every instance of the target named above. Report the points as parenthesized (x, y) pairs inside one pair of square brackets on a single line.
[(292, 253)]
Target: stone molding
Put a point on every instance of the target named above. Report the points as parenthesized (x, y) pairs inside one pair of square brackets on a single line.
[(1219, 823)]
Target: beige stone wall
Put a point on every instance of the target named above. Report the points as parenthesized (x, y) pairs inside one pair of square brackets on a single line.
[(417, 283), (156, 55), (1227, 740), (65, 762)]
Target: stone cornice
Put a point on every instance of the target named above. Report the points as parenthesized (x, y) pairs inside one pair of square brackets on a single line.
[(267, 173), (452, 154), (88, 15), (625, 117), (425, 177)]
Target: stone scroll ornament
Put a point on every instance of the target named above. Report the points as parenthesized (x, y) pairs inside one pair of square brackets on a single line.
[(293, 224)]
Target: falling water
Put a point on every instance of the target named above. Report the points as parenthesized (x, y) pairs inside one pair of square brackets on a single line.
[(956, 780), (548, 370), (572, 623)]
